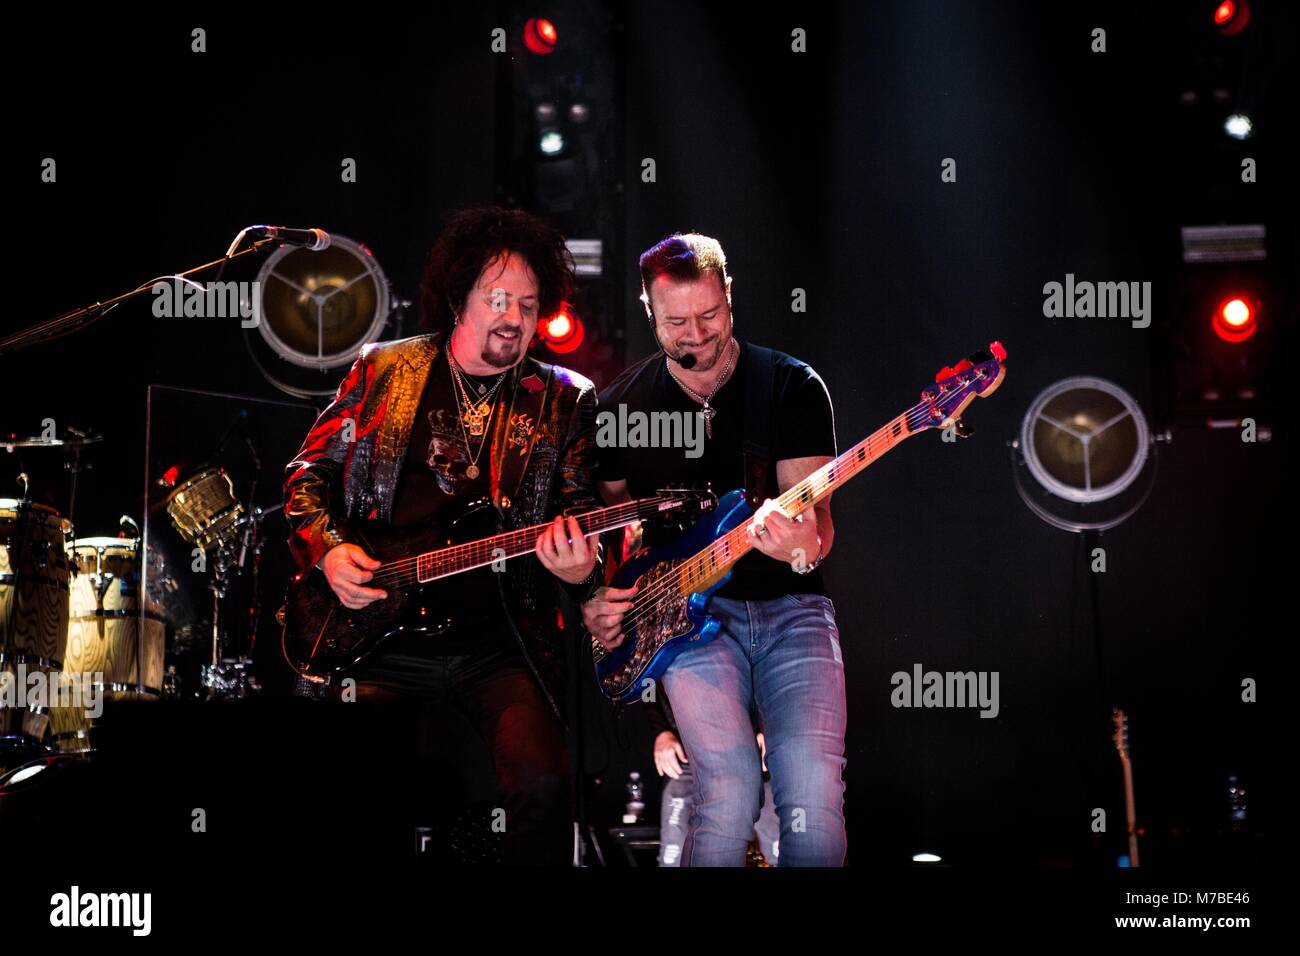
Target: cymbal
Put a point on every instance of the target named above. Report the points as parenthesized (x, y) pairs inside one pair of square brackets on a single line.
[(10, 442)]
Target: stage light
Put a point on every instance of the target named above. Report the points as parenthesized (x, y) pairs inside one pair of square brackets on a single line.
[(1236, 313), (551, 143), (579, 113), (545, 112), (1238, 126), (1235, 320), (926, 858), (1231, 17), (560, 327), (563, 331), (540, 36)]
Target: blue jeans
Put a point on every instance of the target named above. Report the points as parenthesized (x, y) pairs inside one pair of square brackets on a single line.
[(675, 812), (780, 659)]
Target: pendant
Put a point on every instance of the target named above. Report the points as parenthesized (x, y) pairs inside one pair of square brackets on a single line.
[(474, 420), (471, 471), (482, 388), (708, 413)]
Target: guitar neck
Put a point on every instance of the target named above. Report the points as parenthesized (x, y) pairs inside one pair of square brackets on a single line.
[(512, 544), (706, 567)]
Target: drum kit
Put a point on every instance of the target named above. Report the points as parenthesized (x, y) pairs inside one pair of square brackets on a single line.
[(82, 621)]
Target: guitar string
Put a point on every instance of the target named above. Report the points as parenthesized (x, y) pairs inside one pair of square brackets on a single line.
[(478, 550), (921, 412), (481, 552), (674, 582), (393, 572)]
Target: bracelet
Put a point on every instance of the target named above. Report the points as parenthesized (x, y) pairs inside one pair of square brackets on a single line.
[(809, 568), (589, 579)]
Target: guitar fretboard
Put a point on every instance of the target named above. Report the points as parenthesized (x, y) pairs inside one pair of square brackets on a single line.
[(704, 568), (453, 559)]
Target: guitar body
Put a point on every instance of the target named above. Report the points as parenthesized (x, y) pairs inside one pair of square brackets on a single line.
[(654, 640), (322, 637)]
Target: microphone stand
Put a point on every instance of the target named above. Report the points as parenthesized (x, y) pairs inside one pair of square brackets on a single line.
[(78, 318)]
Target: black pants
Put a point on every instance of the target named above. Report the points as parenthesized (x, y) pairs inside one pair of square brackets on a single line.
[(503, 702)]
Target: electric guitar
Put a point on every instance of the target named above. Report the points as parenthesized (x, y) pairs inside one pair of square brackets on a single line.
[(321, 637), (675, 581), (1120, 720)]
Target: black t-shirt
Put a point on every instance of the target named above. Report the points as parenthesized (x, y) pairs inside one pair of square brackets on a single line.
[(432, 477), (803, 426)]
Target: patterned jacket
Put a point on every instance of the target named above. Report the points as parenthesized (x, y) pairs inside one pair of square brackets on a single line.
[(349, 465)]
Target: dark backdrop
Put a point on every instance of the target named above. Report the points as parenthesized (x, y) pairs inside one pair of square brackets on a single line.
[(817, 171)]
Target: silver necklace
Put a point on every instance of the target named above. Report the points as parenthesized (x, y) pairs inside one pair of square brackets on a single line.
[(708, 410)]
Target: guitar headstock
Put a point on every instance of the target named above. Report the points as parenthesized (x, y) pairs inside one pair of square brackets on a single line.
[(976, 376), (1119, 720)]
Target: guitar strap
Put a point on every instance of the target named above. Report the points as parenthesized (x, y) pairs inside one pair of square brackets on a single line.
[(760, 395)]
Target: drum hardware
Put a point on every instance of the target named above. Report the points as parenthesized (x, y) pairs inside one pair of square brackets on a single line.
[(205, 512), (79, 440)]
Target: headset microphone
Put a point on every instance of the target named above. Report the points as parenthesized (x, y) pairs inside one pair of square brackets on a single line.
[(686, 361)]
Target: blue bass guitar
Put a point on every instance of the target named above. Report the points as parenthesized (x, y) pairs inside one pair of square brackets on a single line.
[(669, 612)]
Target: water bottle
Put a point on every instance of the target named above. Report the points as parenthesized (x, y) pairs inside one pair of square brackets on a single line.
[(635, 810), (1236, 804)]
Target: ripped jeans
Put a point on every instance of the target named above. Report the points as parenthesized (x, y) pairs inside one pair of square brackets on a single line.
[(780, 660)]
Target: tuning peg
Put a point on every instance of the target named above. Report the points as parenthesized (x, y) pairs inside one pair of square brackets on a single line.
[(944, 372), (999, 352), (963, 365)]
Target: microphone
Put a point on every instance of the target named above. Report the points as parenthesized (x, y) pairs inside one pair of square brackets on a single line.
[(685, 361), (313, 239)]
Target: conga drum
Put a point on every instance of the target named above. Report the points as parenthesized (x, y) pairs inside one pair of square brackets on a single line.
[(34, 574), (110, 646), (110, 641)]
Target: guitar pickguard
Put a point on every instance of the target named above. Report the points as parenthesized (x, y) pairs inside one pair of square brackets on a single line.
[(658, 623)]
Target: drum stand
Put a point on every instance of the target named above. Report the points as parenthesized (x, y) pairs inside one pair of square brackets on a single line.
[(232, 678), (226, 678)]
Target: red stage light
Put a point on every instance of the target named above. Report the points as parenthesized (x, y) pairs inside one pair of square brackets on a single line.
[(1234, 321), (559, 327), (1231, 17), (562, 332), (540, 36)]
